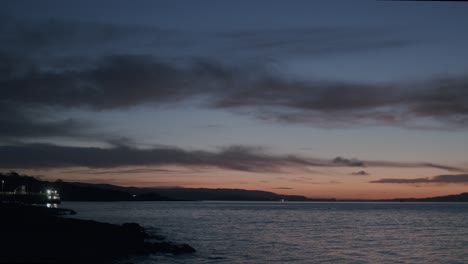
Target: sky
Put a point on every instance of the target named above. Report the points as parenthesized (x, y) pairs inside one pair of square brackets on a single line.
[(345, 99)]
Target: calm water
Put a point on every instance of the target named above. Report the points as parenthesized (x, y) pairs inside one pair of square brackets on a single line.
[(255, 232)]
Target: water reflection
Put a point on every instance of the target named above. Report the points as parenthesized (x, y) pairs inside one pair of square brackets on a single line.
[(52, 205), (295, 233)]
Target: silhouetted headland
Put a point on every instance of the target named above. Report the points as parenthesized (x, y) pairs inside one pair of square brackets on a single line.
[(78, 191), (36, 234), (457, 198)]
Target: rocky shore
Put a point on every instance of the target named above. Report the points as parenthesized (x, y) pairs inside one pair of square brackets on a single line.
[(35, 234)]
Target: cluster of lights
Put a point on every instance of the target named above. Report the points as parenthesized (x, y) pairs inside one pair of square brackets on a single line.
[(52, 194)]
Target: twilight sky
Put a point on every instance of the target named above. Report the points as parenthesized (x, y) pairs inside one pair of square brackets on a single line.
[(345, 99)]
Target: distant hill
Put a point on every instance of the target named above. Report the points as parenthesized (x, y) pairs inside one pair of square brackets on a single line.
[(462, 197), (199, 194), (227, 195), (76, 191)]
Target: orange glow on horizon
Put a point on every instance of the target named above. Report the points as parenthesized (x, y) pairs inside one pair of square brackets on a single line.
[(328, 183)]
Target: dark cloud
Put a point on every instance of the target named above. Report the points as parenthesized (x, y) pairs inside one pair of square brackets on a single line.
[(340, 161), (360, 173), (313, 41), (240, 158), (35, 73), (457, 178), (19, 123), (443, 167), (112, 82), (31, 128), (235, 158), (130, 80), (71, 37), (29, 90), (413, 165), (52, 37), (348, 162), (129, 171), (328, 103)]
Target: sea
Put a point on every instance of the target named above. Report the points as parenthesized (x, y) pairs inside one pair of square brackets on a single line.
[(296, 232)]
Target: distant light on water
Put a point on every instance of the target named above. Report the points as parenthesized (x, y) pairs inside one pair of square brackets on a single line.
[(52, 205)]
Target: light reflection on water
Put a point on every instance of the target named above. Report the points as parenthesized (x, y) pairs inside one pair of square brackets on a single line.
[(268, 232), (51, 205)]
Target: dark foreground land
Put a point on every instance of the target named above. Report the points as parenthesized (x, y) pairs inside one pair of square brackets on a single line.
[(34, 234)]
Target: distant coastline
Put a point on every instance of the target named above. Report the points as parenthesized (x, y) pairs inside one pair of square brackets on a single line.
[(77, 191)]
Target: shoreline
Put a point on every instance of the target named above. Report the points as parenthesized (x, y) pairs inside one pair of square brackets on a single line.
[(36, 234)]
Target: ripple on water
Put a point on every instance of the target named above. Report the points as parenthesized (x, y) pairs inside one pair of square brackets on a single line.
[(249, 232)]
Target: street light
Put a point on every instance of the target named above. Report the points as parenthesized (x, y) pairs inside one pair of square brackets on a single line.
[(3, 182)]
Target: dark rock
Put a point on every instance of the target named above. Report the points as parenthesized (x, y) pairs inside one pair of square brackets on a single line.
[(168, 247), (184, 249), (132, 227), (38, 234)]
